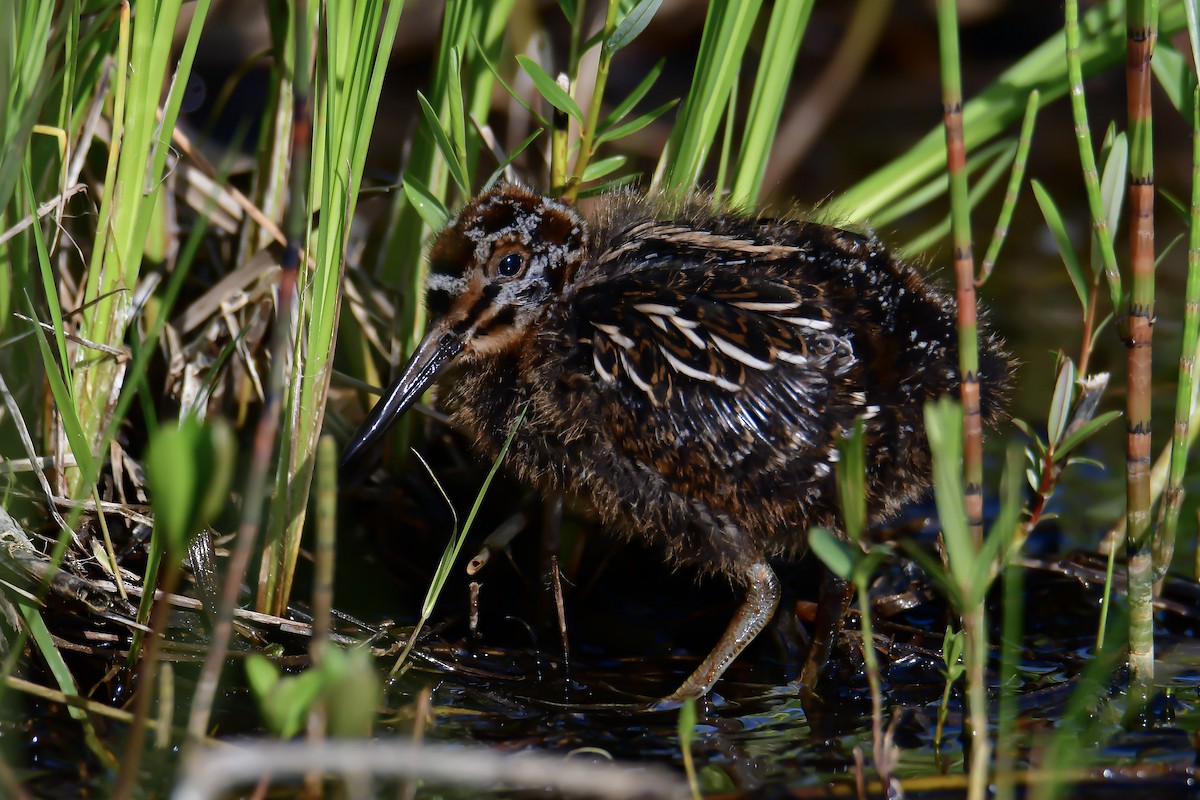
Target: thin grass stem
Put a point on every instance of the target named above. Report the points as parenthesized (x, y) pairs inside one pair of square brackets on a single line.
[(1012, 191), (1164, 543), (587, 142)]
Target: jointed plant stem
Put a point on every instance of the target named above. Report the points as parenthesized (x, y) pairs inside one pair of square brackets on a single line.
[(1143, 33), (968, 365), (964, 266), (1102, 237)]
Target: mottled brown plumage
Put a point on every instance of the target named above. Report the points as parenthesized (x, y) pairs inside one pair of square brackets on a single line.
[(687, 374)]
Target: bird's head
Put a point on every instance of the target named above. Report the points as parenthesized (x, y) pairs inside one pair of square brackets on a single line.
[(491, 273)]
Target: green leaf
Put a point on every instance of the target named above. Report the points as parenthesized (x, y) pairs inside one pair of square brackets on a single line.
[(569, 8), (496, 173), (283, 701), (352, 690), (635, 124), (994, 553), (943, 424), (458, 122), (548, 88), (1060, 404), (634, 97), (834, 553), (936, 572), (428, 206), (633, 24), (598, 169), (1175, 76), (1025, 428), (953, 645), (1083, 432), (511, 92), (457, 170), (1112, 185), (188, 471), (851, 469), (261, 674), (1062, 240), (608, 186), (860, 576)]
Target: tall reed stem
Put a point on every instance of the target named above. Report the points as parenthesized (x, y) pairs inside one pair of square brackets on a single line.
[(964, 265), (1142, 34)]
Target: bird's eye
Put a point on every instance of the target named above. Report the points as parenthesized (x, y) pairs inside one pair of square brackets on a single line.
[(510, 266)]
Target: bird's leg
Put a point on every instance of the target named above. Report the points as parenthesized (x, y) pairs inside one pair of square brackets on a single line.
[(832, 604), (762, 597)]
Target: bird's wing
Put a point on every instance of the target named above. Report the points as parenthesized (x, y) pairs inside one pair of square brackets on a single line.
[(716, 367)]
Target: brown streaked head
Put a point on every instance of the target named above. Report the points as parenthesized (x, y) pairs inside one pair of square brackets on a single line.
[(491, 272)]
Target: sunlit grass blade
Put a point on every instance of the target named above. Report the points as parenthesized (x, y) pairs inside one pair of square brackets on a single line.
[(987, 181), (935, 187), (998, 106), (785, 31), (427, 205), (723, 44), (442, 140)]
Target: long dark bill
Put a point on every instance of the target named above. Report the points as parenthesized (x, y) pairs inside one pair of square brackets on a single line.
[(433, 355)]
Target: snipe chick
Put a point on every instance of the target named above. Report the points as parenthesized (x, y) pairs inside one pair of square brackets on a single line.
[(687, 374)]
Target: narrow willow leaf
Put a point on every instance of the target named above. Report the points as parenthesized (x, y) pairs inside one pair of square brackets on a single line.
[(1024, 427), (608, 186), (598, 169), (1060, 404), (549, 89), (1112, 182), (953, 643), (545, 123), (635, 124), (1174, 75), (633, 24), (1062, 240), (569, 8), (634, 97), (495, 176), (1080, 434)]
